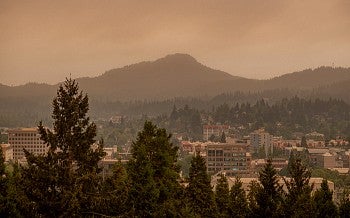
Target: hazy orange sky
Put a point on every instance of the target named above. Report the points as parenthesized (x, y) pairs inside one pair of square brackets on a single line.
[(45, 41)]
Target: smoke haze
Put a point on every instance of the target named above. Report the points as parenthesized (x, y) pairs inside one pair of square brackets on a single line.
[(45, 41)]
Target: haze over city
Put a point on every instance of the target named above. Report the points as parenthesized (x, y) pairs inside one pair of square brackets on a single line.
[(46, 41)]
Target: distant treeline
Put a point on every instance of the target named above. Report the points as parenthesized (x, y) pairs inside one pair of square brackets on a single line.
[(16, 112), (330, 117)]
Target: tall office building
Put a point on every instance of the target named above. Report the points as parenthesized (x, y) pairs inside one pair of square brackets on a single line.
[(229, 158), (261, 139), (25, 138)]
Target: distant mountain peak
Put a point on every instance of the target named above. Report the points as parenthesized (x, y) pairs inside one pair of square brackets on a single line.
[(177, 58)]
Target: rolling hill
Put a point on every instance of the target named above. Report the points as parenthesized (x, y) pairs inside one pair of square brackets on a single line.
[(181, 75), (310, 78), (172, 76)]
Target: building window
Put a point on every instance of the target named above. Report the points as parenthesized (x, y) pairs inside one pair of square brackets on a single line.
[(219, 153)]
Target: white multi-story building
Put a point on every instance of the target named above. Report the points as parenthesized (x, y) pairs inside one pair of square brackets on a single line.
[(25, 138), (261, 139)]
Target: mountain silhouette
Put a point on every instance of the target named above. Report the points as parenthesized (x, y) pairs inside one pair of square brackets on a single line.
[(172, 76), (181, 75)]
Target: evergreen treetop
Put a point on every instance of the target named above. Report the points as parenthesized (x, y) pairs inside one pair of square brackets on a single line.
[(222, 196), (154, 173), (199, 191), (63, 181), (270, 194)]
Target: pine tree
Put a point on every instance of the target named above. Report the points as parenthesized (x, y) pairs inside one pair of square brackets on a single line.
[(238, 200), (3, 184), (254, 187), (17, 202), (344, 206), (298, 201), (115, 191), (269, 195), (154, 173), (63, 182), (223, 138), (324, 204), (199, 191), (222, 194)]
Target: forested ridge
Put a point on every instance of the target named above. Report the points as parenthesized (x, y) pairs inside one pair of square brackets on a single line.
[(153, 87)]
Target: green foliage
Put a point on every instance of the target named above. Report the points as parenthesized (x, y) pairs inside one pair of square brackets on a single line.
[(185, 163), (254, 187), (64, 181), (17, 202), (344, 206), (291, 115), (154, 173), (199, 191), (186, 120), (341, 181), (115, 193), (325, 206), (3, 184), (223, 138), (238, 200), (222, 197), (3, 137), (298, 202), (269, 194)]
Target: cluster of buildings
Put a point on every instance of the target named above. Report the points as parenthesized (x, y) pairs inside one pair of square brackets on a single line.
[(235, 156), (329, 158)]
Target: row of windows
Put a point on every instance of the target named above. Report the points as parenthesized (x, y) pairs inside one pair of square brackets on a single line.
[(211, 154), (227, 164), (36, 138), (24, 134), (214, 169), (23, 143), (228, 159), (29, 146)]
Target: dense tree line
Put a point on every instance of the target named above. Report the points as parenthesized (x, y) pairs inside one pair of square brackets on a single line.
[(66, 182), (26, 111), (186, 120), (330, 117)]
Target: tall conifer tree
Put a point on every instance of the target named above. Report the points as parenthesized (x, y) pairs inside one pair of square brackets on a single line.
[(63, 182), (222, 194), (3, 184), (323, 198), (344, 206), (199, 191), (154, 174), (298, 201), (238, 200), (269, 195)]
